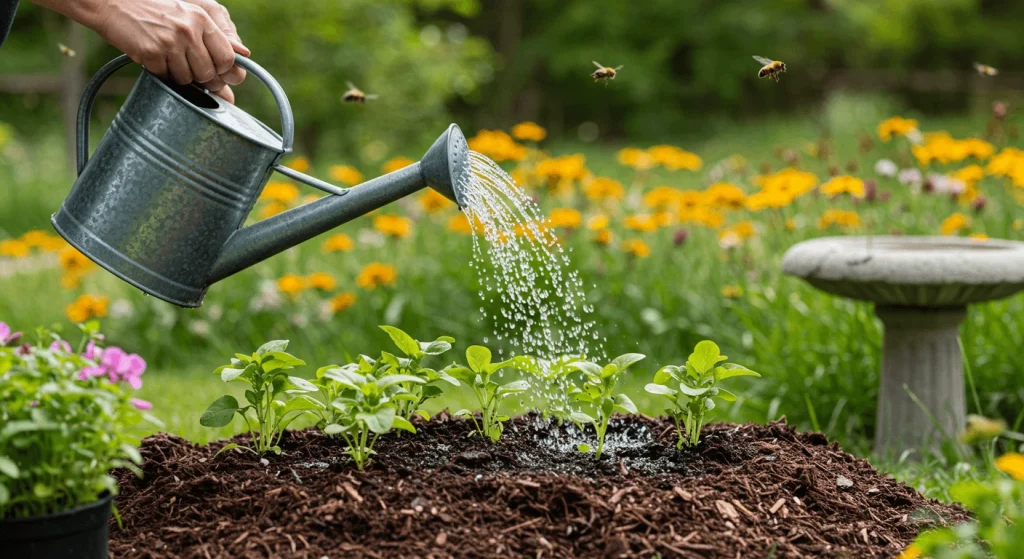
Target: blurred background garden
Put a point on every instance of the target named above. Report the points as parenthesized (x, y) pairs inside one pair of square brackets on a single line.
[(677, 186)]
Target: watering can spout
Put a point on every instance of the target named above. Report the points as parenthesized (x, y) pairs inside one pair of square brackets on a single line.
[(444, 167)]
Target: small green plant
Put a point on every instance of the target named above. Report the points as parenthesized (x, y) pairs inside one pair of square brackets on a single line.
[(691, 389), (997, 529), (367, 407), (479, 375), (598, 384), (273, 400), (410, 365)]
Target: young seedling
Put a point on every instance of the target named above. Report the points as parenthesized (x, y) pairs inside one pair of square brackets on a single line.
[(367, 407), (598, 384), (415, 351), (480, 377), (268, 411), (691, 389)]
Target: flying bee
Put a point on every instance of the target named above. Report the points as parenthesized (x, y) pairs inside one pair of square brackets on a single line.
[(65, 50), (771, 68), (355, 95), (604, 72), (985, 69)]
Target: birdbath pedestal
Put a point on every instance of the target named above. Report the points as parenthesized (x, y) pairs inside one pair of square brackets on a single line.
[(921, 287)]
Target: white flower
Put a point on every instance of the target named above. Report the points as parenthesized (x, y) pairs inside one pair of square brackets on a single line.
[(200, 328), (369, 237), (121, 309), (886, 168), (300, 320), (912, 178), (946, 185), (215, 311), (269, 297), (915, 137), (729, 240)]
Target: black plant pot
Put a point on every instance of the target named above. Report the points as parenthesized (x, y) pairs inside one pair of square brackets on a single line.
[(79, 533)]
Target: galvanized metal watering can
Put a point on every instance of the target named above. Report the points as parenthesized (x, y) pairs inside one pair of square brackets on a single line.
[(162, 202)]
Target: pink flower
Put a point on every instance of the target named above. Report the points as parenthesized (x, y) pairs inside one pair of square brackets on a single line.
[(60, 345), (142, 404), (122, 367), (6, 336), (24, 349), (92, 352)]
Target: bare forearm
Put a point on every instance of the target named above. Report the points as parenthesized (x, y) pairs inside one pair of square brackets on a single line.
[(85, 12)]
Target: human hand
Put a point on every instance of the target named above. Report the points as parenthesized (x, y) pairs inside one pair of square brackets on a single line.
[(187, 40)]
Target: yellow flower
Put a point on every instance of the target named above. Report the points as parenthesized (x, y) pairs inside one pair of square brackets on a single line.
[(943, 148), (396, 163), (643, 223), (74, 262), (726, 195), (780, 189), (790, 224), (87, 307), (300, 164), (732, 292), (955, 223), (339, 242), (742, 230), (911, 552), (662, 197), (602, 188), (1018, 224), (345, 174), (978, 237), (636, 247), (980, 428), (561, 171), (14, 248), (43, 240), (1011, 463), (376, 273), (271, 209), (497, 145), (702, 215), (310, 198), (433, 201), (840, 218), (603, 237), (674, 159), (636, 158), (342, 301), (322, 281), (393, 225), (565, 217), (896, 126), (529, 131), (844, 184), (292, 284), (597, 222), (460, 224), (1006, 163), (277, 191)]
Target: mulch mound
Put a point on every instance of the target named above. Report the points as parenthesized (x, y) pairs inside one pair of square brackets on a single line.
[(761, 491)]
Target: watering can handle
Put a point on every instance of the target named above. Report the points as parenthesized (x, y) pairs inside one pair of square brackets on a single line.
[(283, 107)]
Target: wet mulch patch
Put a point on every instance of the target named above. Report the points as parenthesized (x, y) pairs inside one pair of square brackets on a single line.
[(745, 491)]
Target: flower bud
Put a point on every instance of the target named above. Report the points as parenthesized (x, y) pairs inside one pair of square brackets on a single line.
[(680, 237)]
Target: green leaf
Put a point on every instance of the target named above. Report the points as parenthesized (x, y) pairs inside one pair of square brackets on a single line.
[(333, 429), (464, 373), (403, 424), (422, 413), (581, 417), (276, 450), (443, 375), (431, 391), (626, 360), (693, 392), (726, 395), (709, 404), (730, 370), (514, 387), (660, 389), (405, 342), (220, 412), (436, 347), (379, 422), (9, 468), (478, 357), (228, 374), (250, 397), (132, 453), (462, 413), (388, 380), (276, 345), (664, 375), (5, 494), (302, 384), (586, 367), (623, 403), (303, 402), (584, 448), (705, 355)]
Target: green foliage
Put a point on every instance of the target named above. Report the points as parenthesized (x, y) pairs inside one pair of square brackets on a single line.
[(273, 400), (479, 375), (365, 406), (423, 388), (596, 392), (60, 434), (997, 529), (692, 388)]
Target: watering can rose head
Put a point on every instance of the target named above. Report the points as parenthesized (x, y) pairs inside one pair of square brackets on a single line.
[(162, 202)]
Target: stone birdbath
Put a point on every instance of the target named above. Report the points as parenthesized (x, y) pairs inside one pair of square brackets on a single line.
[(921, 287)]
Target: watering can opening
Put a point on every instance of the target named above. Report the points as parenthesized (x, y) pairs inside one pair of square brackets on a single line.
[(446, 166), (194, 95)]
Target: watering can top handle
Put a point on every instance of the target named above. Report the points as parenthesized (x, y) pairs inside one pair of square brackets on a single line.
[(108, 69)]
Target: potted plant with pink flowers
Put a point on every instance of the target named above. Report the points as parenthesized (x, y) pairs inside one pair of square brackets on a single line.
[(68, 419)]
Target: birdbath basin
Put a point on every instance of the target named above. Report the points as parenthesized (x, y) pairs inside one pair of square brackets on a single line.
[(921, 287)]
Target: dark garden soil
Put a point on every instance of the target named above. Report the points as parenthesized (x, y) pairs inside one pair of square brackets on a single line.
[(754, 491)]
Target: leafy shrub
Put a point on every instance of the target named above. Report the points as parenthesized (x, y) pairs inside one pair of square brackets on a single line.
[(67, 419), (415, 351), (479, 375), (696, 386), (598, 384), (269, 406)]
